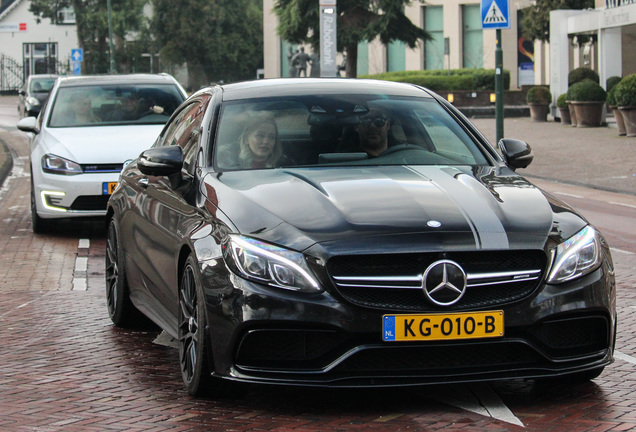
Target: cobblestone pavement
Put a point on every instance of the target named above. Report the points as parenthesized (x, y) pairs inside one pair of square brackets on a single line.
[(65, 367)]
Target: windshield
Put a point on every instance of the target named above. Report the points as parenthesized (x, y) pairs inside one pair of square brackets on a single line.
[(41, 85), (114, 105), (340, 130)]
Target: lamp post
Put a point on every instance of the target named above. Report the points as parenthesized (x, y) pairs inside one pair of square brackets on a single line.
[(110, 37)]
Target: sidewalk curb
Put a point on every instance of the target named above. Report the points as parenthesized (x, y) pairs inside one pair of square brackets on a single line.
[(7, 161), (575, 183)]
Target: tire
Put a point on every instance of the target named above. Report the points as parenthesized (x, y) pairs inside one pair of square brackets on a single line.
[(38, 224), (193, 361), (193, 340), (120, 309)]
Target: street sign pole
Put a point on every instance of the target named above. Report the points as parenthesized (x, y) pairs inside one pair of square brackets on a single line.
[(110, 36), (495, 14), (499, 88)]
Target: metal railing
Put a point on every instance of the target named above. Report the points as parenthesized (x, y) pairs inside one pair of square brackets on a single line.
[(609, 4), (11, 74)]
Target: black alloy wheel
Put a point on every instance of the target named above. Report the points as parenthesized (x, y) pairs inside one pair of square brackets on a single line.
[(191, 333), (120, 309), (196, 366)]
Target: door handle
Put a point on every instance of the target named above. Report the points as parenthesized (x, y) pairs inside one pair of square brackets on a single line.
[(143, 183)]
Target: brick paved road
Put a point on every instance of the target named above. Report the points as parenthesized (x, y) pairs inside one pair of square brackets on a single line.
[(64, 367)]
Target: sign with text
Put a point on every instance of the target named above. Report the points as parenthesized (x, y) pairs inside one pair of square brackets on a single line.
[(12, 27), (328, 38)]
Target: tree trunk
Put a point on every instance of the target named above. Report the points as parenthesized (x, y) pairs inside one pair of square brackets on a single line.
[(351, 67)]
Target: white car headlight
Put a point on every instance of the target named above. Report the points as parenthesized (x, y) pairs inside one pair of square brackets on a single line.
[(576, 257), (263, 262), (33, 101), (58, 165)]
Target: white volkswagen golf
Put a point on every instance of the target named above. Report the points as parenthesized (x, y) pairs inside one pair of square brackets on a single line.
[(85, 134)]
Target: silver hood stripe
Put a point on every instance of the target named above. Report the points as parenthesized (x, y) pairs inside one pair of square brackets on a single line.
[(486, 226)]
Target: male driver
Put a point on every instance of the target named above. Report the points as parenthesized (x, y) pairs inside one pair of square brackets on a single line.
[(373, 132)]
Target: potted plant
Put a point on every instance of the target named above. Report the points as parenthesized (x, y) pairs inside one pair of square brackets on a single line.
[(538, 99), (611, 104), (570, 107), (626, 101), (588, 99), (580, 74), (564, 110)]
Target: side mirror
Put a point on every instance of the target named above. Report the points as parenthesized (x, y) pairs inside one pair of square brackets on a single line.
[(516, 153), (161, 161), (28, 124)]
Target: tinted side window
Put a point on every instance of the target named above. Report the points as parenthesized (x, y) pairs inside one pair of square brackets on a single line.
[(185, 131)]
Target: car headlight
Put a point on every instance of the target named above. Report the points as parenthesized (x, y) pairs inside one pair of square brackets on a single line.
[(576, 257), (33, 101), (263, 262), (58, 165)]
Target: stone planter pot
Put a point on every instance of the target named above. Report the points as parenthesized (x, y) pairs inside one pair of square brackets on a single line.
[(572, 113), (588, 114), (629, 117), (539, 112), (565, 116), (620, 123)]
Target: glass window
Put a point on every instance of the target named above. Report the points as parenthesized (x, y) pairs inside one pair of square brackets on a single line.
[(185, 131), (473, 41), (41, 85), (434, 49), (114, 104), (396, 56), (368, 129)]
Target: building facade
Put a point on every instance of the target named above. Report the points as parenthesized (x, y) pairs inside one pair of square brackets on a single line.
[(602, 39), (458, 42), (32, 47)]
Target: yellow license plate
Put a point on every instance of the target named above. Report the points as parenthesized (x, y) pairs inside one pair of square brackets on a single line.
[(448, 326), (108, 188)]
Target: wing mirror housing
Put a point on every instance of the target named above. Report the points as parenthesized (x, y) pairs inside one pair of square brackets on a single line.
[(161, 161), (516, 153), (28, 124)]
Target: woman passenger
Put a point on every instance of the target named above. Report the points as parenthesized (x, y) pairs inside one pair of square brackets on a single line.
[(259, 144)]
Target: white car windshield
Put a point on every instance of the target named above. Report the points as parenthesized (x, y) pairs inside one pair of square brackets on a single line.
[(114, 105), (341, 130)]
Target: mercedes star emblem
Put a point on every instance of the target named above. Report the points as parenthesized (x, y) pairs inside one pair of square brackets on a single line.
[(444, 282)]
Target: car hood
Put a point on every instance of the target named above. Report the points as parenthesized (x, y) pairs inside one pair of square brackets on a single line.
[(407, 207), (99, 144)]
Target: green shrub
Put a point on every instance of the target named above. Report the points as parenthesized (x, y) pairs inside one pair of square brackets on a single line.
[(561, 101), (439, 80), (580, 74), (587, 91), (611, 82), (626, 91), (539, 95)]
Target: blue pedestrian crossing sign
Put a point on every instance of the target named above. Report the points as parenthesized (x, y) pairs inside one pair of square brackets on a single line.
[(495, 14)]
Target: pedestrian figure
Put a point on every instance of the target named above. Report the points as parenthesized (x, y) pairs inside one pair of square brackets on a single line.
[(302, 58), (291, 58), (315, 65)]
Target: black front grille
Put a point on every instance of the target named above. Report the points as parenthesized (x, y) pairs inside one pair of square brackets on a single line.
[(102, 168), (90, 202), (442, 359), (298, 349), (349, 272), (572, 336)]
